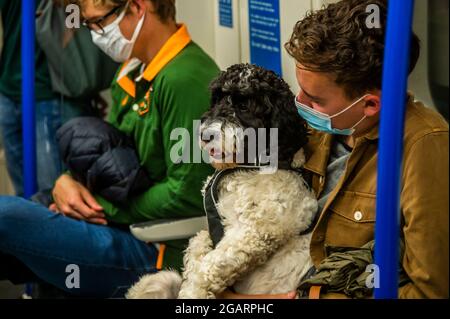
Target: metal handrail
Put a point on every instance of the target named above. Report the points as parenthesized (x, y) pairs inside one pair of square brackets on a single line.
[(28, 97), (28, 103), (390, 151)]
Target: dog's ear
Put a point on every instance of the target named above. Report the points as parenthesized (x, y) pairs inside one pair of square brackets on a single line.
[(238, 80), (292, 128), (216, 89)]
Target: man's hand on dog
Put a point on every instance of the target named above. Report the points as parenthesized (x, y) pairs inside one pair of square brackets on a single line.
[(75, 201)]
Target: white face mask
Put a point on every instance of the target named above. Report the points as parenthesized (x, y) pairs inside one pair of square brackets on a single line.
[(112, 41)]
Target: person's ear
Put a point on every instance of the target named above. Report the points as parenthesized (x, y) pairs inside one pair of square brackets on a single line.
[(138, 7), (373, 104)]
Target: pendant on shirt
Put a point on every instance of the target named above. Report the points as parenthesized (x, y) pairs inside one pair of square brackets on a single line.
[(144, 106)]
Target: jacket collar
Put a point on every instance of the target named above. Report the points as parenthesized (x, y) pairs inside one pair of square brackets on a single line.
[(374, 133), (317, 152), (176, 43)]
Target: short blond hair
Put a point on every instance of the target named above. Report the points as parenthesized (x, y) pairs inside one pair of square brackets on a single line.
[(164, 9)]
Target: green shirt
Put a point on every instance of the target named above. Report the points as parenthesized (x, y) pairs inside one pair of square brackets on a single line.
[(163, 101), (10, 60)]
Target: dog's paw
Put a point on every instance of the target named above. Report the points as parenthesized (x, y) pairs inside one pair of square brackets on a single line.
[(299, 159), (195, 293), (162, 285)]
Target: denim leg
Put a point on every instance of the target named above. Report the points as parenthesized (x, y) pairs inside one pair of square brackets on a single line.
[(50, 115), (109, 260), (48, 161), (11, 135)]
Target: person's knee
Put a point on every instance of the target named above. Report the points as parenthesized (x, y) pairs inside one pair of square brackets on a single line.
[(9, 202), (11, 213)]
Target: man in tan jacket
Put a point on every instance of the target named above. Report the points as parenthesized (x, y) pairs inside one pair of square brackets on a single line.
[(339, 64), (339, 70)]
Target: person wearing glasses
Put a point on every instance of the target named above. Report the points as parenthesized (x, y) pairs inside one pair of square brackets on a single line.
[(161, 86)]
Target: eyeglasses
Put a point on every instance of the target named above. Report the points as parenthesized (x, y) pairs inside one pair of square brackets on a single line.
[(96, 25)]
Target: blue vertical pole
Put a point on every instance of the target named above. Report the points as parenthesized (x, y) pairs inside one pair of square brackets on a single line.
[(393, 103), (28, 97), (28, 102)]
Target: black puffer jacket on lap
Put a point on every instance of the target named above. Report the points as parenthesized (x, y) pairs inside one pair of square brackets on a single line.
[(102, 158)]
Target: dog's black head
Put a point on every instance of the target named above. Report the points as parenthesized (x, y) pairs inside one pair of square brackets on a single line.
[(248, 96)]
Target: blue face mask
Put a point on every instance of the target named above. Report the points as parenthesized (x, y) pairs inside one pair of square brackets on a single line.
[(322, 122)]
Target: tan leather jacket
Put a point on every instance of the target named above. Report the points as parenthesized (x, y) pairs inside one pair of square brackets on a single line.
[(348, 217)]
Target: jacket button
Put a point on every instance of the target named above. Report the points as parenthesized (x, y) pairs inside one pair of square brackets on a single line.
[(135, 107), (358, 215)]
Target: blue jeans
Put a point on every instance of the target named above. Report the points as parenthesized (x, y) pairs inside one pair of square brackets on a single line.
[(57, 249), (50, 115)]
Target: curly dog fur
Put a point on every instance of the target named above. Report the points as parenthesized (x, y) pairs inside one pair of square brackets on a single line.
[(262, 250)]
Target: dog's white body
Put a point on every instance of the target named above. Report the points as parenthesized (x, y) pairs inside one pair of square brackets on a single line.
[(262, 251)]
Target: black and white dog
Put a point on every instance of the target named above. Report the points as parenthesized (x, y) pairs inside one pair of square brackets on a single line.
[(259, 217)]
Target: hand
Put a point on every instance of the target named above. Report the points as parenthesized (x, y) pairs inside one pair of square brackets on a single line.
[(74, 200), (53, 208), (227, 294)]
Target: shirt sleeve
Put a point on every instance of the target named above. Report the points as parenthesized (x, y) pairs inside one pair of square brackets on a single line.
[(178, 195), (425, 212)]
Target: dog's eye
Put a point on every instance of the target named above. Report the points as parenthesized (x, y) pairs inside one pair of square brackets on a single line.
[(243, 107), (238, 100)]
